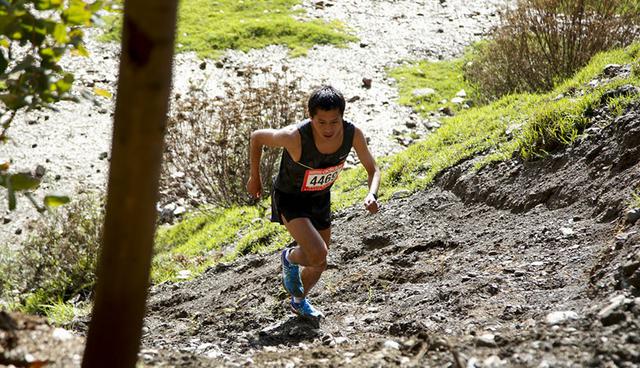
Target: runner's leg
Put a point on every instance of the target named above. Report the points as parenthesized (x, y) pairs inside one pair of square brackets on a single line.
[(311, 252), (310, 276)]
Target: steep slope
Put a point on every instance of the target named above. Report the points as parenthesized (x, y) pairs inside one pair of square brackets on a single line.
[(519, 264)]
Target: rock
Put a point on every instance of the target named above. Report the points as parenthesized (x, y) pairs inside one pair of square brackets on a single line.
[(610, 314), (473, 362), (353, 99), (493, 361), (62, 335), (625, 90), (401, 194), (630, 267), (366, 82), (461, 93), (179, 211), (341, 340), (103, 155), (202, 348), (364, 44), (612, 70), (559, 317), (486, 340), (624, 236), (423, 92), (410, 124), (457, 100), (5, 220), (219, 64), (392, 345), (446, 110), (18, 231), (328, 340), (203, 65), (184, 275), (40, 171), (432, 124), (632, 215), (567, 231)]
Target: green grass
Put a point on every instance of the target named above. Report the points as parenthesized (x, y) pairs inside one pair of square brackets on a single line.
[(210, 27), (538, 124), (444, 77), (204, 239), (62, 313)]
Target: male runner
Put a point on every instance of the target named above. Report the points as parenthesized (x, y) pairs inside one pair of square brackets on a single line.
[(314, 153)]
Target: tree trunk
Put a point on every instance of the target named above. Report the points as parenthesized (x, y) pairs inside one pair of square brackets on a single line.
[(138, 138)]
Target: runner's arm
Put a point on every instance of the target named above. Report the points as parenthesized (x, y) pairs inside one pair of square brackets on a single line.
[(373, 172), (285, 137)]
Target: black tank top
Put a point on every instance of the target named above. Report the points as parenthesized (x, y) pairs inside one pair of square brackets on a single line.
[(314, 168)]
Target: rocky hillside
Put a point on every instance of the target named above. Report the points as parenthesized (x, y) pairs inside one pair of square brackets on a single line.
[(519, 264)]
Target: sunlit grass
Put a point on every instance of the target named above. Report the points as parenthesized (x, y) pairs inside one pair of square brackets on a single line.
[(445, 78), (205, 238), (210, 27)]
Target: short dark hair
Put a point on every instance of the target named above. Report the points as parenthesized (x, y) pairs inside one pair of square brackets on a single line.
[(325, 98)]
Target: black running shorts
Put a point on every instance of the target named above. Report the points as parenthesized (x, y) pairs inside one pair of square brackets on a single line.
[(316, 207)]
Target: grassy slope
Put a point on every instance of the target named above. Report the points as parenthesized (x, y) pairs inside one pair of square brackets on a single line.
[(210, 27), (540, 122)]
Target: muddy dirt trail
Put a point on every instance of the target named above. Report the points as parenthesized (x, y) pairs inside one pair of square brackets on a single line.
[(519, 264)]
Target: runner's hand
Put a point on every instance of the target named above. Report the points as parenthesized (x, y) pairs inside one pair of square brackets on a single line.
[(254, 187), (371, 204)]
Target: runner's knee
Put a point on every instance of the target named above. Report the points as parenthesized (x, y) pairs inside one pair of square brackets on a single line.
[(318, 256)]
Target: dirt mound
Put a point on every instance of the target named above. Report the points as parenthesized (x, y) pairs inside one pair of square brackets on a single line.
[(515, 265)]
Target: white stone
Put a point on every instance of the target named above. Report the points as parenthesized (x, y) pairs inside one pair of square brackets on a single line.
[(558, 317), (390, 344), (423, 92), (493, 361), (614, 304), (461, 93), (566, 231), (457, 100), (62, 334), (184, 274)]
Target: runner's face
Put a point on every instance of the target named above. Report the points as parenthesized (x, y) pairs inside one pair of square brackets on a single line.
[(327, 123)]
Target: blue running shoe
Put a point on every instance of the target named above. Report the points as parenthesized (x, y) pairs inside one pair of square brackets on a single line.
[(305, 309), (291, 277)]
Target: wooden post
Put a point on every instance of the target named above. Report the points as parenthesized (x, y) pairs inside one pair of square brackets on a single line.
[(138, 138)]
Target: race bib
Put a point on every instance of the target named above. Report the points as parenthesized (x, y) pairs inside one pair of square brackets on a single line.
[(318, 179)]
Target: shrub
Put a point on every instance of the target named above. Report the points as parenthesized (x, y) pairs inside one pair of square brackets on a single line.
[(541, 42), (58, 262), (208, 139)]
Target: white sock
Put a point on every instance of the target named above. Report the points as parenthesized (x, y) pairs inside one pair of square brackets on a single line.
[(286, 256), (297, 300)]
